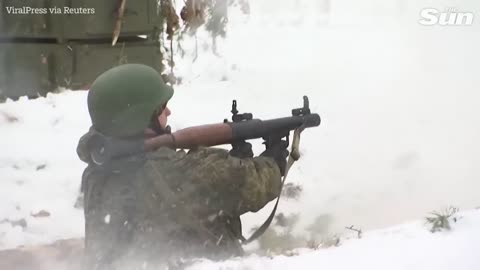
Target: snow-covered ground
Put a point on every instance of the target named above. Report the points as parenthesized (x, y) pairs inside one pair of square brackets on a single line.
[(408, 246), (399, 135)]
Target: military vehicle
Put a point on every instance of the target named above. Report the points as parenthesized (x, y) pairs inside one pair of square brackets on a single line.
[(46, 45)]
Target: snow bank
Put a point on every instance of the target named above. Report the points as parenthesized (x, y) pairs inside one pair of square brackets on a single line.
[(410, 246), (39, 169)]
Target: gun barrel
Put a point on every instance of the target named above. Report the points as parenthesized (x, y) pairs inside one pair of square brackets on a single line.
[(256, 128)]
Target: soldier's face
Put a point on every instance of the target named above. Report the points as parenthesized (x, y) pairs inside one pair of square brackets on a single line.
[(163, 117), (158, 122)]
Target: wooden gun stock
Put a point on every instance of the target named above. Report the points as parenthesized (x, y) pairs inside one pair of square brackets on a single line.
[(187, 138)]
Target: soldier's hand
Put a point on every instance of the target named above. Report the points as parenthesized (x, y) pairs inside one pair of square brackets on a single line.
[(241, 150), (278, 151)]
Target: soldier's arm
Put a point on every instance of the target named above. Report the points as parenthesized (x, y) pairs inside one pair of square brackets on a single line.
[(253, 182)]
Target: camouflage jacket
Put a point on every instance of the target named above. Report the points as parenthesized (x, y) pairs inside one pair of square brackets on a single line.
[(164, 205)]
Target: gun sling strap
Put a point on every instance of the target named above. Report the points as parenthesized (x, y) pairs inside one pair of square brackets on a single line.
[(294, 156)]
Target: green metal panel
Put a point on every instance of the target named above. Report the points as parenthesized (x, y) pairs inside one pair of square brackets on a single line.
[(39, 52), (91, 60), (35, 69), (18, 24), (75, 19), (26, 69)]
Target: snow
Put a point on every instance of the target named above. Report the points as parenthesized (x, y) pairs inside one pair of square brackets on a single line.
[(407, 246), (39, 169), (398, 139)]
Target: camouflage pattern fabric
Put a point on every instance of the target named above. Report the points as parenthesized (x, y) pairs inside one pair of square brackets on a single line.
[(160, 207)]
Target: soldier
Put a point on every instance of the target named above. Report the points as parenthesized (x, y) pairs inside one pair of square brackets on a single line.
[(159, 207)]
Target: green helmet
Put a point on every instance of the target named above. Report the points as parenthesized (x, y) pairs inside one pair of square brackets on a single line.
[(122, 100)]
